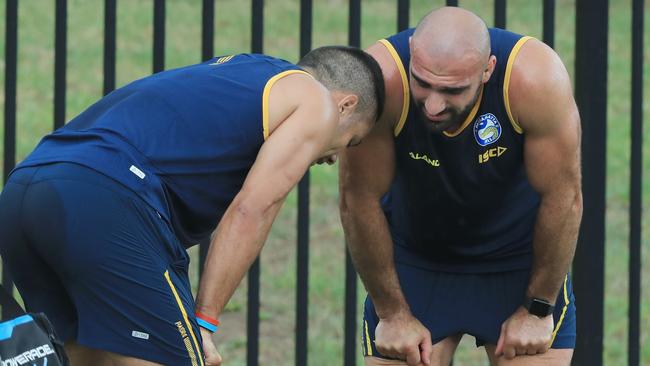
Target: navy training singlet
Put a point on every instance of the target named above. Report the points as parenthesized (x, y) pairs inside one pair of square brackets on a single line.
[(183, 140), (462, 202)]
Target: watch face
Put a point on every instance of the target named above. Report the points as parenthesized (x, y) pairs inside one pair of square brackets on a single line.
[(540, 308)]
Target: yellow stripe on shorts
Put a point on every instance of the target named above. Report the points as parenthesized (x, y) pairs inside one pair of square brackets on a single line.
[(368, 346), (564, 309), (187, 324)]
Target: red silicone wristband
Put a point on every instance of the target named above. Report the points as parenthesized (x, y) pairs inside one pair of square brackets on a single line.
[(212, 321)]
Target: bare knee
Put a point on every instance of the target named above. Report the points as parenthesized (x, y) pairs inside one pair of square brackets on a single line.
[(441, 355), (559, 357)]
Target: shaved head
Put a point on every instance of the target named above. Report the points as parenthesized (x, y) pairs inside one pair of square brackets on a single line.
[(453, 37), (450, 63)]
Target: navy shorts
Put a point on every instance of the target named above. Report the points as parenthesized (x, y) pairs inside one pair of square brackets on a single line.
[(474, 304), (100, 263)]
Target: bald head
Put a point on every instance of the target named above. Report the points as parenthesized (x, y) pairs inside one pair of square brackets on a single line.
[(453, 36)]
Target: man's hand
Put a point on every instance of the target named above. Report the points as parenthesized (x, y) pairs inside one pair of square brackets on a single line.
[(524, 334), (212, 356), (402, 336)]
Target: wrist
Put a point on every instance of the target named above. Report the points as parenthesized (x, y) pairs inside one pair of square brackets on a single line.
[(538, 306), (393, 311), (206, 322)]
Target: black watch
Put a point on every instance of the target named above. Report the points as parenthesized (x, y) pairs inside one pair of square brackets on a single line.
[(538, 307)]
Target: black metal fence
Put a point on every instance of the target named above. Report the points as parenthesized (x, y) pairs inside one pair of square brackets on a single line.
[(591, 95)]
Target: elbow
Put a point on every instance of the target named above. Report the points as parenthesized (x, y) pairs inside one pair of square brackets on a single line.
[(351, 205), (253, 208), (345, 206)]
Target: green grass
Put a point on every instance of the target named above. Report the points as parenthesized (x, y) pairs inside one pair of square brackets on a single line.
[(282, 34)]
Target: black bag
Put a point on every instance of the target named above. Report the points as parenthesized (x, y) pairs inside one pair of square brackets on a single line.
[(28, 339)]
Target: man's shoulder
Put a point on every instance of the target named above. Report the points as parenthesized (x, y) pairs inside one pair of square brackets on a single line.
[(394, 66)]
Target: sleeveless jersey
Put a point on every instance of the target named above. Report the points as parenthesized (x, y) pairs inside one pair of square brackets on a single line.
[(461, 202), (183, 140)]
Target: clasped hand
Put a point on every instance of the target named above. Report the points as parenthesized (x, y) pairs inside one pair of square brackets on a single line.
[(524, 334), (212, 356), (403, 337)]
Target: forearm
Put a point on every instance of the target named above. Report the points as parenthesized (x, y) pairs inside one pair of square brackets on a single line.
[(554, 243), (371, 249), (233, 247)]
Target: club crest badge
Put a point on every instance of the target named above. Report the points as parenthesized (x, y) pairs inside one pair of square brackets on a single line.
[(487, 129)]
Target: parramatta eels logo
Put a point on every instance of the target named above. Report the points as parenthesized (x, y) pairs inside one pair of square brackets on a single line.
[(487, 129)]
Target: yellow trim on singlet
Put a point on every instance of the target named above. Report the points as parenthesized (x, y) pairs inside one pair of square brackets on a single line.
[(405, 86), (187, 322), (506, 81), (368, 346), (265, 98), (469, 119), (566, 306)]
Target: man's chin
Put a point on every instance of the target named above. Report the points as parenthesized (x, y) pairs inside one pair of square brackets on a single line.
[(439, 126)]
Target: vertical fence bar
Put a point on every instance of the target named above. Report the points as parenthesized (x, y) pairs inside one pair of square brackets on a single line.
[(253, 310), (500, 14), (60, 60), (207, 30), (636, 177), (402, 14), (257, 28), (452, 2), (109, 45), (302, 295), (11, 70), (350, 323), (548, 29), (158, 35), (207, 51), (591, 96)]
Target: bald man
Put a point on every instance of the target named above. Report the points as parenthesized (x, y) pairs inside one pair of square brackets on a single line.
[(461, 208)]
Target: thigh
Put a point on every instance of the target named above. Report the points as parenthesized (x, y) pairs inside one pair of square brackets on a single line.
[(41, 288), (124, 270), (433, 298), (441, 355), (564, 317), (456, 303), (411, 278), (81, 356)]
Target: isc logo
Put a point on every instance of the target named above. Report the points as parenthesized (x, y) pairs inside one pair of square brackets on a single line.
[(494, 152)]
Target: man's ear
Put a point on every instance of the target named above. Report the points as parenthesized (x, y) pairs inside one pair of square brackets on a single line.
[(348, 104), (492, 61)]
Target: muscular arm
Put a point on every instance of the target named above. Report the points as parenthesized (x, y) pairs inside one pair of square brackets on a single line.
[(543, 104), (281, 162), (365, 174)]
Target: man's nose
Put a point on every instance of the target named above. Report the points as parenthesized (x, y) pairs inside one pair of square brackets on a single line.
[(434, 104)]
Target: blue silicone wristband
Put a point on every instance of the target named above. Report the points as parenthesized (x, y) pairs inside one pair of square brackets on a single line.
[(202, 323)]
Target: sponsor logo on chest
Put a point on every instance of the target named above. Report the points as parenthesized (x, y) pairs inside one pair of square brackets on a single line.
[(425, 158), (487, 129)]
